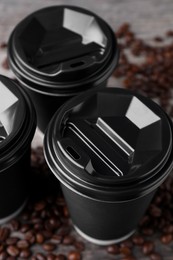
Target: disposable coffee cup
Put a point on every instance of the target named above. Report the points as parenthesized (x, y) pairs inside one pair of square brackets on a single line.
[(17, 127), (110, 149), (59, 52)]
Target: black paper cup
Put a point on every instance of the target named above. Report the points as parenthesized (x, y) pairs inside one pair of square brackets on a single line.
[(110, 149), (59, 52), (17, 127)]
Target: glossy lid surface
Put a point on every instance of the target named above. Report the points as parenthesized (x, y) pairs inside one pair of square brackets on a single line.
[(111, 136), (63, 43)]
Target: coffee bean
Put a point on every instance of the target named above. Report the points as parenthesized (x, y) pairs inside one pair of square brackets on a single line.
[(13, 250), (166, 239), (24, 228), (74, 255), (4, 233), (39, 205), (40, 256), (25, 253), (22, 244), (155, 256), (1, 248), (5, 64), (79, 245), (49, 246), (113, 249), (50, 257), (56, 239), (138, 240), (3, 256), (15, 225), (125, 250), (68, 240), (11, 241), (39, 238), (30, 237), (147, 247), (3, 45)]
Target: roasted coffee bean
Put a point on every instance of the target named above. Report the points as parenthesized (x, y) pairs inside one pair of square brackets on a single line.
[(3, 45), (5, 64), (148, 247), (166, 239), (138, 240), (25, 253), (50, 257), (79, 245), (22, 244), (40, 256), (47, 234), (126, 243), (25, 228), (11, 241), (13, 251), (68, 240), (49, 246), (113, 249), (30, 236), (56, 239), (40, 205), (74, 255), (15, 225), (125, 250), (1, 248), (3, 255), (4, 233), (155, 256), (39, 238)]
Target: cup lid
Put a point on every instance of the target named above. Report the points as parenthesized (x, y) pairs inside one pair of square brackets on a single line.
[(17, 120), (110, 141), (63, 44)]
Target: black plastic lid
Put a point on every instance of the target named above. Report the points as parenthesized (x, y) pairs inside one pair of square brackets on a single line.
[(17, 122), (63, 44), (110, 143)]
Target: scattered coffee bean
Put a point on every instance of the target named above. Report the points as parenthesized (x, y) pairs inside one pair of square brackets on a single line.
[(49, 246), (147, 247), (113, 249), (13, 251), (68, 240), (11, 241), (3, 45), (138, 240), (4, 234), (5, 64), (166, 239), (25, 253), (3, 255), (155, 256), (40, 256), (79, 245), (74, 255), (22, 244), (39, 238)]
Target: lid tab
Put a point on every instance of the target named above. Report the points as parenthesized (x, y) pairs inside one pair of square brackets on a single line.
[(8, 108)]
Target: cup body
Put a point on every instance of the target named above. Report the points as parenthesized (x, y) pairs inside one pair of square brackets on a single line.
[(15, 187), (17, 127), (57, 60), (109, 162), (105, 222)]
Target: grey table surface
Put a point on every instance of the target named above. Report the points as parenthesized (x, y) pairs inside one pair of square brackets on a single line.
[(148, 18)]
